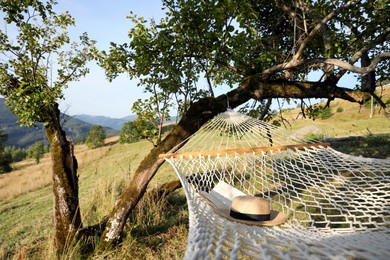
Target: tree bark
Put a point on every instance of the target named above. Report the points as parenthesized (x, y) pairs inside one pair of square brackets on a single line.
[(198, 114), (66, 213)]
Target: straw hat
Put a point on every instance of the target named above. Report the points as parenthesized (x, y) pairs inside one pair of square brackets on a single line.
[(246, 209)]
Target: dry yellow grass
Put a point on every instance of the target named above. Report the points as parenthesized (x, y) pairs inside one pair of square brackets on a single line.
[(26, 196), (30, 176), (354, 120)]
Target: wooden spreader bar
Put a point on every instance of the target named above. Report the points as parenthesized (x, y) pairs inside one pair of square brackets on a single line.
[(242, 150)]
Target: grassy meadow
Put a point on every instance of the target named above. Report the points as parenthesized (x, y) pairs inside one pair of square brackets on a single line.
[(348, 119), (160, 231), (26, 205)]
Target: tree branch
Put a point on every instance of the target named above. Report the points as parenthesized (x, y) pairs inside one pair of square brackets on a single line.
[(342, 64), (287, 9), (382, 104), (294, 62), (378, 40), (318, 27)]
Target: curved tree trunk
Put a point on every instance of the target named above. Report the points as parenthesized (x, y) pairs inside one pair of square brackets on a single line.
[(66, 213), (198, 114)]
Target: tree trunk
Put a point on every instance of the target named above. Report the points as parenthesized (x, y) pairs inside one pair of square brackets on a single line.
[(198, 114), (191, 121), (66, 213)]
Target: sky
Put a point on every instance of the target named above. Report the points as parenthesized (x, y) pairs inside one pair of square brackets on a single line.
[(104, 21)]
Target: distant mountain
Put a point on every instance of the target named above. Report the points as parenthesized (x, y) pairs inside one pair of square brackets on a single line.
[(114, 123), (20, 136), (129, 118)]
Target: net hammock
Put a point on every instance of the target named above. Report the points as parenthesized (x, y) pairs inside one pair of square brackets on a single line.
[(338, 205)]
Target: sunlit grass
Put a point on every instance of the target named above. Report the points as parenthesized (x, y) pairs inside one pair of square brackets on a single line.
[(104, 173), (157, 233), (354, 120), (27, 178)]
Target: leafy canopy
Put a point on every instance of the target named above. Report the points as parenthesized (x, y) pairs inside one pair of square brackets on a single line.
[(202, 45), (95, 137), (129, 133), (38, 59), (138, 129)]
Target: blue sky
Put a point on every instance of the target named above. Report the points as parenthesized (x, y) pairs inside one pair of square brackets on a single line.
[(104, 21)]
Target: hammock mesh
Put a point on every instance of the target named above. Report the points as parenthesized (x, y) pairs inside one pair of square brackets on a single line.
[(338, 205)]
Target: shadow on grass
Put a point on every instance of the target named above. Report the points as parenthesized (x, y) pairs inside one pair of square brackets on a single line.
[(372, 146), (157, 216)]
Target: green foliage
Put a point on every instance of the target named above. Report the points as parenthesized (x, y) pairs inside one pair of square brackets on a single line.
[(129, 133), (257, 109), (147, 129), (5, 158), (339, 110), (36, 151), (325, 113), (138, 129), (151, 115), (95, 137), (33, 38), (201, 45), (5, 162), (318, 111), (17, 154)]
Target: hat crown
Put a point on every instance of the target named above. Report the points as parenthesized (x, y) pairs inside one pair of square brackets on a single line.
[(250, 205)]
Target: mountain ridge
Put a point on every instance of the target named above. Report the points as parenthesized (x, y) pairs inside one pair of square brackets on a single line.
[(21, 136), (114, 123)]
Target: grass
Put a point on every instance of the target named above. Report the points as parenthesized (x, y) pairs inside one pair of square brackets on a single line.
[(375, 146), (353, 120), (159, 232), (15, 184), (26, 214)]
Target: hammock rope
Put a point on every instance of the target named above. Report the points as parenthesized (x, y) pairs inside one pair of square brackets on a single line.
[(338, 205)]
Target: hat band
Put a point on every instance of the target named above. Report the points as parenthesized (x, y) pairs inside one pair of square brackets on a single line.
[(246, 216)]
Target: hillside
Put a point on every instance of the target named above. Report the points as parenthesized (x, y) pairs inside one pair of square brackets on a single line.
[(26, 205), (348, 119), (159, 232), (20, 136)]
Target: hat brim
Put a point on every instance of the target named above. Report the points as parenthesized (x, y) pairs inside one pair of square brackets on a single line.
[(220, 203)]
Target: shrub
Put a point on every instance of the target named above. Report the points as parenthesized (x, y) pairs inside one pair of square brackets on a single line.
[(5, 162), (129, 133), (36, 151), (17, 154), (320, 112), (95, 137)]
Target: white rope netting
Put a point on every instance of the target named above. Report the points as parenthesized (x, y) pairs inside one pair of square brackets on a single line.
[(338, 205)]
